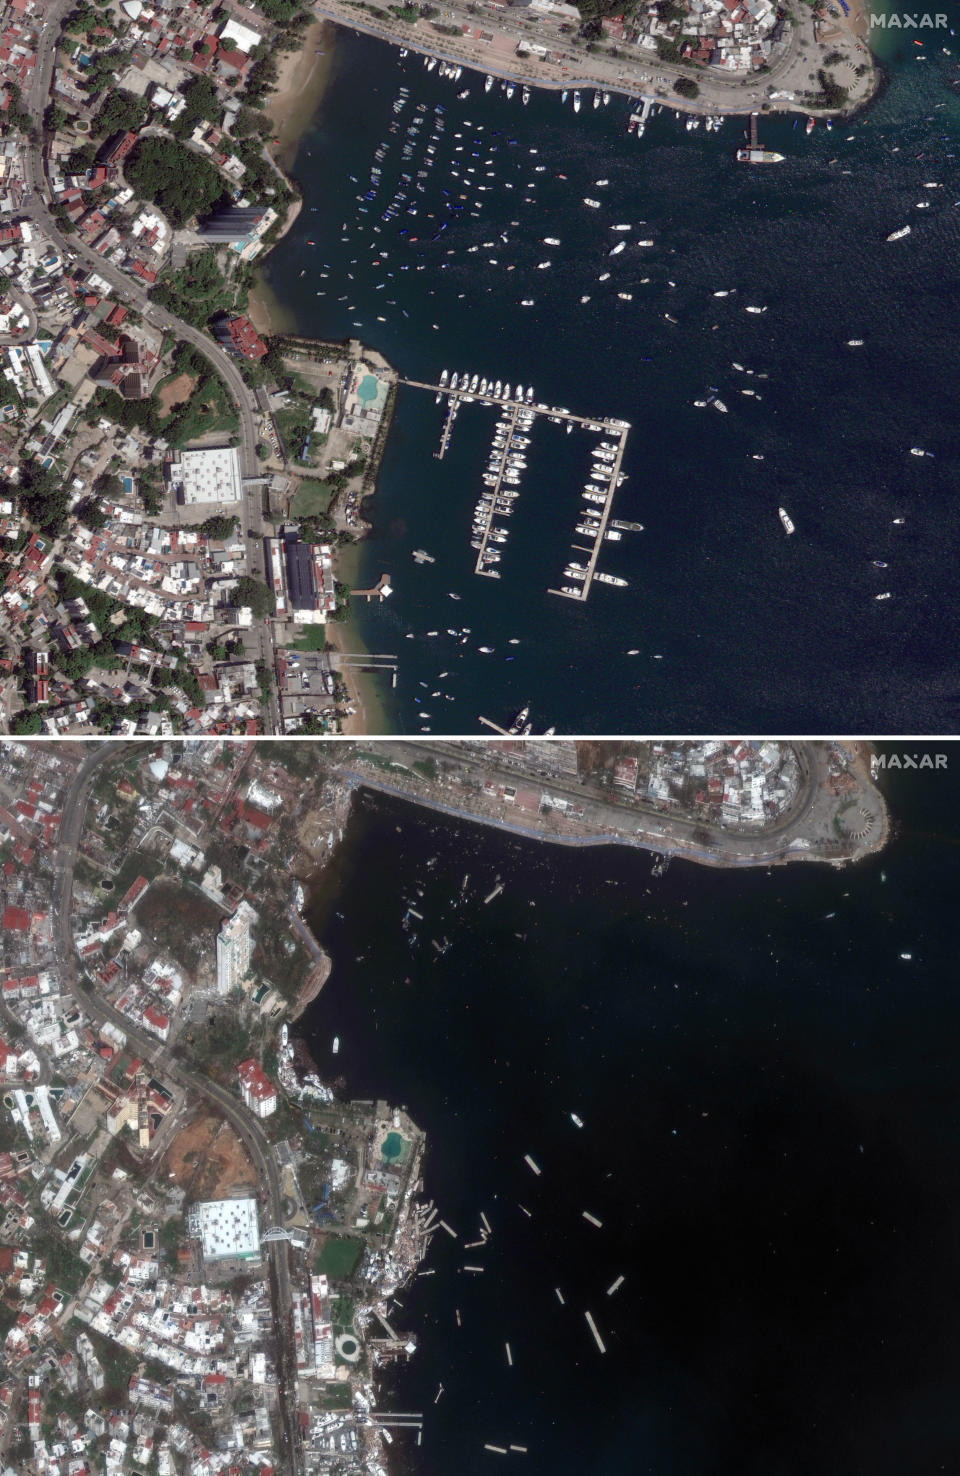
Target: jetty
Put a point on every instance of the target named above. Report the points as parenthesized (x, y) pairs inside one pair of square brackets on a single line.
[(581, 591), (381, 590), (495, 505)]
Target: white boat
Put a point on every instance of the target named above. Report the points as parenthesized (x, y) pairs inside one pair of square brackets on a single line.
[(596, 99), (627, 296), (487, 650), (586, 298), (474, 382), (551, 241), (786, 519), (487, 83), (336, 1044), (854, 343), (443, 378), (525, 95), (620, 227), (899, 235), (506, 390), (620, 246), (604, 277), (917, 451), (721, 294), (594, 204), (577, 1121), (756, 310), (526, 302), (884, 596), (542, 265), (453, 380), (576, 102), (611, 579), (497, 390), (719, 405)]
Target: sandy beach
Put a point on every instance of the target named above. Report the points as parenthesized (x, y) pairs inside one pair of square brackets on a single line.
[(301, 79)]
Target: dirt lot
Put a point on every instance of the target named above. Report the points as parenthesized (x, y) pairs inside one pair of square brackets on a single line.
[(208, 1160), (176, 392)]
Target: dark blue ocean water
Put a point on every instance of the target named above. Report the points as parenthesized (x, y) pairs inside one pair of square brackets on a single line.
[(737, 626), (771, 1140)]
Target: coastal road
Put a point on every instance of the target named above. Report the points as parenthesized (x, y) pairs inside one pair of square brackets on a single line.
[(642, 825), (203, 1087), (794, 57), (260, 642)]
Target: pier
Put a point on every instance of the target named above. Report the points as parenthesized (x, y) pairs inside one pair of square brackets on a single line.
[(495, 498), (475, 397), (380, 590), (582, 593)]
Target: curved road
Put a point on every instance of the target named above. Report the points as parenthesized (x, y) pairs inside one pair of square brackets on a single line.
[(133, 292), (149, 1047)]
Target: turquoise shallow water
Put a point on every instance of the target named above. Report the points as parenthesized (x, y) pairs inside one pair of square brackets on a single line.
[(736, 625)]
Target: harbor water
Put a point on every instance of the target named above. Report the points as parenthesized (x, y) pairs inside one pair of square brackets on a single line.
[(734, 623), (765, 1069)]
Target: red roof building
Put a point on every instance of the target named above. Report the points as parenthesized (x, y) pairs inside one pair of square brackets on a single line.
[(256, 1088), (16, 920)]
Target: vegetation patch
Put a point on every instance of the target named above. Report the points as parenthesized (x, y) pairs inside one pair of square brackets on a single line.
[(178, 181)]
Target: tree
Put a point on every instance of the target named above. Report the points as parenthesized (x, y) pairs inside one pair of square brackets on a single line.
[(91, 514), (218, 526), (55, 119), (26, 722), (4, 283), (182, 184), (254, 594), (686, 87), (122, 112), (43, 497), (203, 105)]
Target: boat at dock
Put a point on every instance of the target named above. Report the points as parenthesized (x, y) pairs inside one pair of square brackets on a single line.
[(759, 156)]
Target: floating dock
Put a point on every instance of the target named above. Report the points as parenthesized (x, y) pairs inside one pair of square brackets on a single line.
[(592, 1219), (532, 1165), (615, 1287), (593, 1328), (582, 590), (509, 1355), (494, 509)]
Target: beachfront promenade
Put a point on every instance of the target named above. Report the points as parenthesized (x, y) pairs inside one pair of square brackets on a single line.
[(807, 833), (497, 42)]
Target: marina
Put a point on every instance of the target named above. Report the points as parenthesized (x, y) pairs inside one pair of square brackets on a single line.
[(507, 462)]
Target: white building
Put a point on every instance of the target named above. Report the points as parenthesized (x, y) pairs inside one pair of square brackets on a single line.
[(235, 949), (244, 38), (256, 1088), (226, 1228), (208, 475)]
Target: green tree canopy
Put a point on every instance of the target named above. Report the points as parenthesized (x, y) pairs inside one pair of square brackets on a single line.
[(182, 184), (254, 594)]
